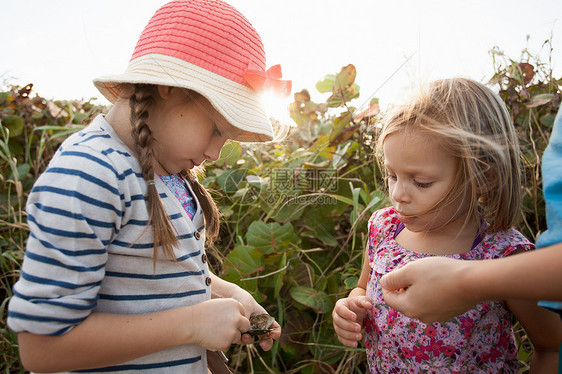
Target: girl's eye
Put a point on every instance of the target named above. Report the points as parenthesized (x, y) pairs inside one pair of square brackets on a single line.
[(392, 178), (216, 130), (423, 185)]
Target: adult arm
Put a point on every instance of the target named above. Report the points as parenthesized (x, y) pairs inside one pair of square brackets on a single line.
[(438, 288)]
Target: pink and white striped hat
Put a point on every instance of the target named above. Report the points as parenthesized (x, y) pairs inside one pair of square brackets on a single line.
[(209, 47)]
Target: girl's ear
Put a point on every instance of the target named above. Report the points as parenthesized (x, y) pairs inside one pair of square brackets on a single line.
[(165, 92)]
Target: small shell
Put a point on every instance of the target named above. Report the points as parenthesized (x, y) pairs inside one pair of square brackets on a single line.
[(260, 324)]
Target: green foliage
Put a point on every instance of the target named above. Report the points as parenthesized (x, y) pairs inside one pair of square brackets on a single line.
[(295, 224), (300, 281), (533, 97), (294, 213)]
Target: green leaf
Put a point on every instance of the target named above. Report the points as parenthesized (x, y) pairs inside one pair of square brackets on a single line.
[(327, 84), (344, 79), (322, 147), (5, 97), (241, 263), (14, 124), (317, 300), (345, 135), (271, 237), (288, 211), (322, 231), (343, 199), (246, 259), (250, 285), (539, 100), (230, 180), (377, 201), (339, 124), (355, 212), (337, 99), (350, 283), (231, 152), (60, 131), (21, 172), (547, 120)]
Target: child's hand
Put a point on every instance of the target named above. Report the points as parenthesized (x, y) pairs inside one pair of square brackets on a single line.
[(348, 318), (218, 323), (266, 341), (251, 307)]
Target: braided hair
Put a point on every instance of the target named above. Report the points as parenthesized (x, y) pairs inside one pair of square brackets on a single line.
[(140, 102)]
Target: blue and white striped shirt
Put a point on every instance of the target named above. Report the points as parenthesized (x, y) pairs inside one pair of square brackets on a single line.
[(89, 249)]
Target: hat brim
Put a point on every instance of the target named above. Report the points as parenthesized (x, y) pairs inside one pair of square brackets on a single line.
[(239, 105)]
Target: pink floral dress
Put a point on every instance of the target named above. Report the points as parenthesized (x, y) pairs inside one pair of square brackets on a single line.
[(478, 341)]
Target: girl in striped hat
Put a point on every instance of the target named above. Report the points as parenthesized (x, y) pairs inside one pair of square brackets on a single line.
[(115, 277)]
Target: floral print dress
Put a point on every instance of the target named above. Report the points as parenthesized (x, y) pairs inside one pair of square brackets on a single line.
[(478, 341), (178, 186)]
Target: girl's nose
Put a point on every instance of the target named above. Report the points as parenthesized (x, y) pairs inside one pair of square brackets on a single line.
[(213, 151), (398, 192)]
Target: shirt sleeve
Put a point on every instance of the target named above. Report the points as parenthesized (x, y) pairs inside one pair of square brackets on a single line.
[(552, 191), (515, 242), (381, 224), (552, 186), (74, 211)]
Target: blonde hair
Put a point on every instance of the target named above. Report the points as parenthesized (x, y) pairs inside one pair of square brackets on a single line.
[(473, 124), (140, 101)]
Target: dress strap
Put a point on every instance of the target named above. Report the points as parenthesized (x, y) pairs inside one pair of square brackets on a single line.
[(481, 232), (399, 228), (479, 238)]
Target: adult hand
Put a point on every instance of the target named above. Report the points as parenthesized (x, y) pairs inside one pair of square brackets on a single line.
[(431, 289), (348, 315)]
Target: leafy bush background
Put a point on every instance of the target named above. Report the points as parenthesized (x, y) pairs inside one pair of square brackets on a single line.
[(294, 213)]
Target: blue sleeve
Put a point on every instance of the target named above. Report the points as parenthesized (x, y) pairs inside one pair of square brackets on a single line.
[(552, 190), (552, 186)]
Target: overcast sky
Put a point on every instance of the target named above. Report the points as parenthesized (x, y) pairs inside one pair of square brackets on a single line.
[(61, 45)]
